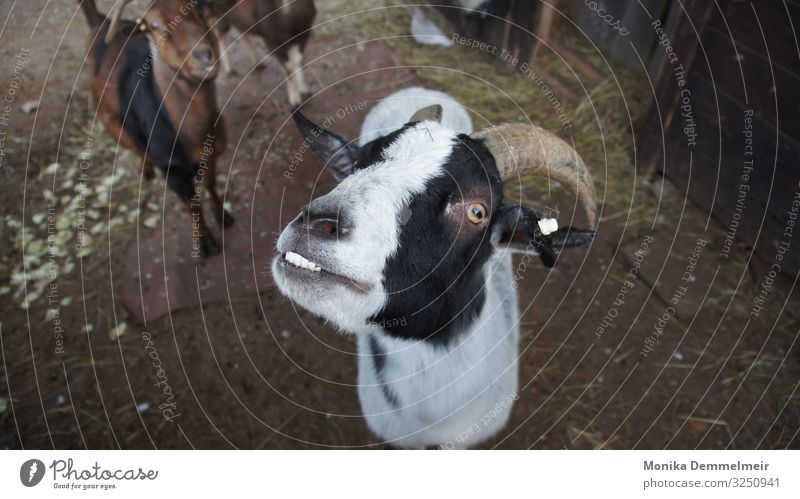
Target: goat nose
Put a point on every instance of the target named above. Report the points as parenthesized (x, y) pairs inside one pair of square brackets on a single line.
[(204, 55), (326, 227)]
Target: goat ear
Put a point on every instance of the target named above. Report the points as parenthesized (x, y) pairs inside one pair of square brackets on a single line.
[(337, 154), (430, 113), (570, 237), (516, 229)]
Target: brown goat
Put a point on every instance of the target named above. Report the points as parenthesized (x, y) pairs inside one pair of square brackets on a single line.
[(153, 81), (283, 25)]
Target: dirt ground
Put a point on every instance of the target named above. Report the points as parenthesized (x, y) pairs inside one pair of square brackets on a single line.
[(133, 346)]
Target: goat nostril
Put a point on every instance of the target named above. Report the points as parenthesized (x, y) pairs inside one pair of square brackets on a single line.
[(327, 227), (203, 55), (320, 222)]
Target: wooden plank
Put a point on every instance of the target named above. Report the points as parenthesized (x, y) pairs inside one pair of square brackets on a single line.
[(746, 75), (685, 43), (720, 142), (544, 23), (712, 175), (744, 17), (718, 116)]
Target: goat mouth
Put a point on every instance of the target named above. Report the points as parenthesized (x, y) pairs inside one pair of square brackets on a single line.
[(300, 267), (203, 73)]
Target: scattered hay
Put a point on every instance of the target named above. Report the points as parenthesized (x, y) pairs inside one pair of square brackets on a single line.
[(702, 425), (88, 201), (595, 439)]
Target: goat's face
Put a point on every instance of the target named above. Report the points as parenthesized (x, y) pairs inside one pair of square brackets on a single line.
[(402, 241), (182, 39)]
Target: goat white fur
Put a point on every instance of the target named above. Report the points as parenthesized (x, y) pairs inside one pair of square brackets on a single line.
[(392, 112)]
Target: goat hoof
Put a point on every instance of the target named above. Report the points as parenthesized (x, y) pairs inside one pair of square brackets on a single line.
[(227, 220)]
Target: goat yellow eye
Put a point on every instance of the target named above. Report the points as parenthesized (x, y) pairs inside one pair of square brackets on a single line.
[(476, 212)]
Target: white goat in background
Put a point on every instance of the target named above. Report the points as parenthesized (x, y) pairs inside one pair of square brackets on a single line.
[(411, 253)]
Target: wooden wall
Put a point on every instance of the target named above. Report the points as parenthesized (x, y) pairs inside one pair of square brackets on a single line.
[(745, 61)]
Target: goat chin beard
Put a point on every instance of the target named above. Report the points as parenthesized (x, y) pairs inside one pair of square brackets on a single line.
[(328, 296)]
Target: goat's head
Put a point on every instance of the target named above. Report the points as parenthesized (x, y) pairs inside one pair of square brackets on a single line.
[(178, 34), (402, 241)]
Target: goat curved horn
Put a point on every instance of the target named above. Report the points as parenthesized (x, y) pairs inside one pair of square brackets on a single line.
[(115, 15), (430, 113), (528, 149)]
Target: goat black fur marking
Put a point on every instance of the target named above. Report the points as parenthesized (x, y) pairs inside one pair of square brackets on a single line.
[(429, 252), (372, 151)]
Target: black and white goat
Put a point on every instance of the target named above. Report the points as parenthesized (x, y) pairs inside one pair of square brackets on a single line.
[(411, 252)]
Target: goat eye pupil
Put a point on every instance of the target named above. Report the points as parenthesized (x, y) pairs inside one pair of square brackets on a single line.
[(476, 212)]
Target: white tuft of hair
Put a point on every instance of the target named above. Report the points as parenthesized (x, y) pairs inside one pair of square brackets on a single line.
[(395, 110)]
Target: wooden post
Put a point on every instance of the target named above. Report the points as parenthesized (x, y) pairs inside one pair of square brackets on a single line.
[(545, 13)]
